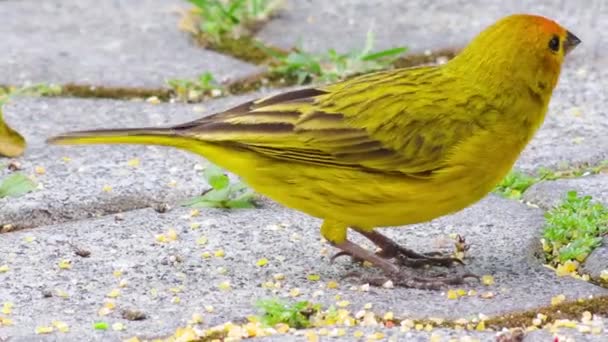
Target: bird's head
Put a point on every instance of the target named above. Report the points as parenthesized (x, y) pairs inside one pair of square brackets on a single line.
[(522, 48)]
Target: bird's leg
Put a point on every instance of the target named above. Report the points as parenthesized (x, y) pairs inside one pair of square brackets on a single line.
[(407, 257), (399, 277)]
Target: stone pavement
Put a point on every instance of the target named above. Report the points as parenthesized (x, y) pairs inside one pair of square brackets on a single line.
[(106, 199)]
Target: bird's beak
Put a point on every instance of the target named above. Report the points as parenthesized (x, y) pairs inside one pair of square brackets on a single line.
[(571, 42)]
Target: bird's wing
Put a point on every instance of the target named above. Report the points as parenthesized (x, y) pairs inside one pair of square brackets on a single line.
[(389, 121)]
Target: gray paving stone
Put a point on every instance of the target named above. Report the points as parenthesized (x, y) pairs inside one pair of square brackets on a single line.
[(550, 193), (320, 25), (503, 235), (574, 131), (109, 43), (74, 189)]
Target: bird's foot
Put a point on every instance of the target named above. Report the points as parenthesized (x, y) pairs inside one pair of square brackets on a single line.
[(407, 257), (404, 256), (409, 279)]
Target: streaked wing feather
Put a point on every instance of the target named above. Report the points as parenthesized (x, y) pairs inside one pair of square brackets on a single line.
[(303, 126)]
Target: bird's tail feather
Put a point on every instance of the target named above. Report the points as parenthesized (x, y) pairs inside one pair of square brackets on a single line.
[(143, 136)]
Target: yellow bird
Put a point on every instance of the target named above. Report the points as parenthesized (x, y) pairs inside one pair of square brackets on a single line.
[(389, 148)]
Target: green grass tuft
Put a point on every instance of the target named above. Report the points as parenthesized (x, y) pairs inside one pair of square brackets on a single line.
[(296, 315), (574, 228), (220, 18), (304, 67)]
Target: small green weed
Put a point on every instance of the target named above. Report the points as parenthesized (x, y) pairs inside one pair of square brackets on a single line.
[(304, 67), (515, 184), (16, 185), (232, 17), (296, 315), (195, 90), (574, 228), (223, 194)]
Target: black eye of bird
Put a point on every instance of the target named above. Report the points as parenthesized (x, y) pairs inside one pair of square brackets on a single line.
[(554, 43)]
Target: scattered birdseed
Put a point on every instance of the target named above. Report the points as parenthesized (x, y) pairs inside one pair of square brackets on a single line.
[(153, 100), (201, 240), (106, 188), (311, 336), (435, 337), (7, 308), (388, 284), (100, 326), (118, 326), (114, 293), (4, 321), (279, 276), (29, 239), (219, 253), (209, 308), (567, 268), (313, 277), (343, 303), (487, 295), (389, 316), (262, 262), (39, 170), (65, 264), (123, 283), (487, 280), (452, 294), (66, 159), (196, 318), (376, 336), (176, 300), (40, 330), (61, 293), (61, 326), (367, 306), (206, 255), (558, 299), (481, 326), (294, 292), (358, 334), (332, 284), (604, 275), (224, 286)]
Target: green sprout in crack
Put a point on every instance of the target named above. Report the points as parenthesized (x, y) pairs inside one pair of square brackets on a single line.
[(232, 17), (574, 228), (223, 193), (16, 185), (296, 315), (515, 184), (304, 67), (195, 90)]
